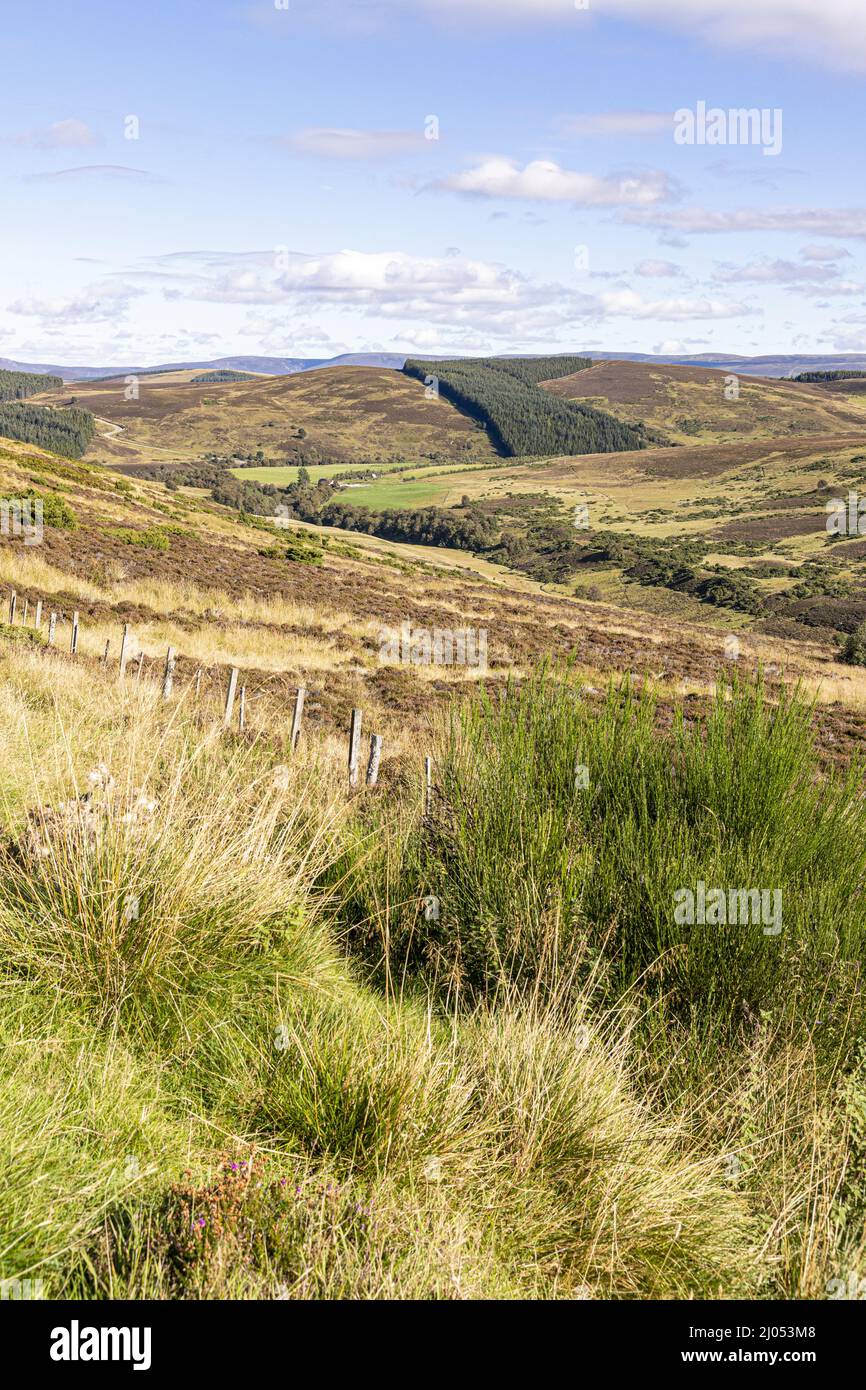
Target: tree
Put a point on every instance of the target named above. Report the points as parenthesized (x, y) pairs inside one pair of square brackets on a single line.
[(854, 648), (503, 394)]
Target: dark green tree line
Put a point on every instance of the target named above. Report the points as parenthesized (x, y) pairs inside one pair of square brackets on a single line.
[(67, 432), (503, 395), (14, 386)]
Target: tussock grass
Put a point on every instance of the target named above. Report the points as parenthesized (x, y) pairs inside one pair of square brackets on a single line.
[(226, 1009), (753, 1034), (85, 1124)]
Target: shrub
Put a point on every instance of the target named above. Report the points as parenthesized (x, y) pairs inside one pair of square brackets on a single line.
[(854, 648), (152, 538), (56, 511), (534, 875), (201, 1096)]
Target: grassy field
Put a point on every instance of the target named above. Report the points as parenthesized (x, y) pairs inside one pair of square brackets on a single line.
[(224, 594), (689, 404), (410, 487), (747, 482), (225, 1003), (306, 1042), (346, 414)]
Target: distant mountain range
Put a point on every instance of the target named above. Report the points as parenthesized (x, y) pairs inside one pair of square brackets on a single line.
[(774, 365), (270, 366)]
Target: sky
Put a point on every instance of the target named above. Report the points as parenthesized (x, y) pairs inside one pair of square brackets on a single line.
[(203, 178)]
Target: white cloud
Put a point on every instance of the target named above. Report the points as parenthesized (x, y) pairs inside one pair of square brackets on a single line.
[(677, 347), (824, 253), (839, 222), (544, 181), (452, 290), (775, 272), (69, 134), (826, 32), (845, 340), (234, 287), (838, 289), (271, 336), (98, 303), (657, 270), (332, 143), (444, 296), (393, 282), (112, 171), (809, 278), (833, 31), (628, 304)]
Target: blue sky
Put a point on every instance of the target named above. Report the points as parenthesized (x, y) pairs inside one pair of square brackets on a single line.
[(437, 175)]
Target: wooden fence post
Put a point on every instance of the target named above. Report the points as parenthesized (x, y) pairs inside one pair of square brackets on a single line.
[(52, 629), (105, 653), (140, 666), (298, 715), (428, 786), (242, 709), (124, 650), (73, 645), (198, 683), (230, 696), (24, 613), (13, 604), (168, 673), (354, 746), (375, 759), (37, 621)]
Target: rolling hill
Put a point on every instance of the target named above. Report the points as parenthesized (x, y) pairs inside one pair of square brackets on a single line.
[(689, 403), (347, 414), (503, 394), (193, 909), (268, 366), (776, 365), (309, 604), (727, 526)]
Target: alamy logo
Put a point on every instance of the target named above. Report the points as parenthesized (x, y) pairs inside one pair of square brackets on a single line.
[(77, 1343), (852, 1288), (438, 646), (732, 647), (738, 126), (846, 518), (716, 907), (22, 516), (17, 1289)]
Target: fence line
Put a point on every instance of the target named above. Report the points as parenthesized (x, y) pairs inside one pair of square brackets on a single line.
[(168, 673), (124, 650)]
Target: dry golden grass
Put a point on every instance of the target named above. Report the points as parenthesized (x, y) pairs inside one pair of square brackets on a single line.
[(564, 1170), (347, 412), (328, 634), (679, 400)]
